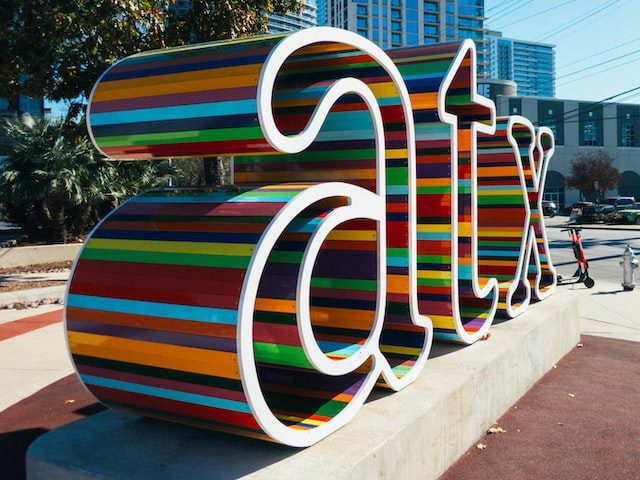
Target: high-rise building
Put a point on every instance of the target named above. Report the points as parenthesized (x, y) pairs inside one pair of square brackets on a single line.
[(398, 23), (530, 64), (21, 104), (306, 18)]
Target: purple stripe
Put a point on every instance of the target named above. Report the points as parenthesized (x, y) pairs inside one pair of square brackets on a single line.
[(212, 392), (189, 98), (156, 336)]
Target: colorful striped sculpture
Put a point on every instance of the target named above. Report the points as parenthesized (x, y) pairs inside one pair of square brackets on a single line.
[(512, 243), (355, 232)]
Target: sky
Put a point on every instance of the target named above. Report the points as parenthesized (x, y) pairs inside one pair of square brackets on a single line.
[(597, 42)]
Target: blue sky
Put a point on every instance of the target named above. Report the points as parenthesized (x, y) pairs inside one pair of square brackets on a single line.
[(597, 42)]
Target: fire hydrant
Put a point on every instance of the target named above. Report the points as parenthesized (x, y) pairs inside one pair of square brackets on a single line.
[(629, 263)]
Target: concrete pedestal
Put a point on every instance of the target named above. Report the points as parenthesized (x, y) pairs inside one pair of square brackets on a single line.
[(416, 433)]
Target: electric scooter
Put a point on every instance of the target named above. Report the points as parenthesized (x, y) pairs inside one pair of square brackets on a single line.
[(581, 275)]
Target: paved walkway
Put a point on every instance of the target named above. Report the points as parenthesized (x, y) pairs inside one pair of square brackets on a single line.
[(579, 421)]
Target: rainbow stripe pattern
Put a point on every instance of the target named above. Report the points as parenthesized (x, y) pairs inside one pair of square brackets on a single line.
[(360, 227)]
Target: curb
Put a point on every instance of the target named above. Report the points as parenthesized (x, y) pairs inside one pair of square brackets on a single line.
[(36, 295)]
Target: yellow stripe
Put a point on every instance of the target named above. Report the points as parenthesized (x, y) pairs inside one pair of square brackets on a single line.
[(433, 274), (396, 153), (173, 357), (440, 321), (217, 79), (496, 193), (512, 232), (232, 249), (435, 228), (383, 89), (352, 235)]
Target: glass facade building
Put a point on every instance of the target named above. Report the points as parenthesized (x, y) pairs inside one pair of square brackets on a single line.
[(399, 23), (307, 18), (530, 64)]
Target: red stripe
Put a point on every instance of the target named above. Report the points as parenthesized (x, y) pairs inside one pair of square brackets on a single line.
[(142, 403), (176, 284)]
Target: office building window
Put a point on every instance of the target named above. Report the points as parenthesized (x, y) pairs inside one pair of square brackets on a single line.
[(362, 10), (553, 126), (430, 7), (590, 133), (627, 135), (430, 18)]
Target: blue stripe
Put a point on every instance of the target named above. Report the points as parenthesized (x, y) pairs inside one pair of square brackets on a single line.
[(156, 309), (167, 393), (178, 112)]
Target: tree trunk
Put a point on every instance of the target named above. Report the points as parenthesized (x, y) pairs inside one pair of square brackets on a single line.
[(58, 228), (213, 171), (80, 220)]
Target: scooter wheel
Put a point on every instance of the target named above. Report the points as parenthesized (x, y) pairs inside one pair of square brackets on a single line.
[(589, 282)]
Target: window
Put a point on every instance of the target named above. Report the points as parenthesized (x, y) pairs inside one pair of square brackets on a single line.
[(430, 30), (430, 7), (590, 133), (553, 126), (396, 26), (362, 23), (362, 10), (430, 18), (396, 14), (627, 135)]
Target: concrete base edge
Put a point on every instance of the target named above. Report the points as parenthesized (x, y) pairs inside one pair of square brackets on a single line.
[(416, 433), (35, 255)]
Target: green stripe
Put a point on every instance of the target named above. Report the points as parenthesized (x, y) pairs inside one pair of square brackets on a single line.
[(156, 372), (281, 355), (434, 282), (166, 258), (347, 284), (192, 136)]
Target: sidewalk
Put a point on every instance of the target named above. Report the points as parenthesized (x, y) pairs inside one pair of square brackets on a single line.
[(578, 422)]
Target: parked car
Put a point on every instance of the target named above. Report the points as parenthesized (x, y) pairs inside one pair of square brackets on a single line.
[(549, 208), (596, 213), (621, 202), (578, 205), (631, 214)]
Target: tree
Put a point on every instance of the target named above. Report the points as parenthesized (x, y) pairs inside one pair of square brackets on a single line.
[(54, 180), (59, 48), (593, 174)]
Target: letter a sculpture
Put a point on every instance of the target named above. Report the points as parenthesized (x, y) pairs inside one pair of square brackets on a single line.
[(378, 203)]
